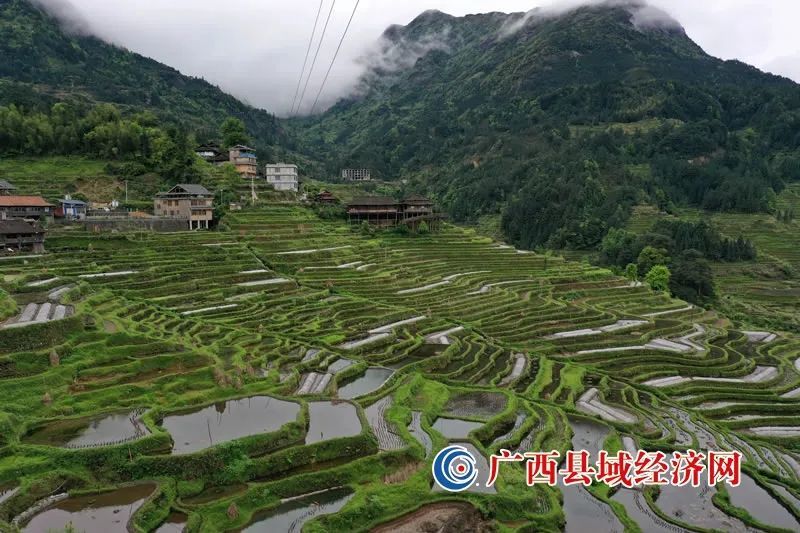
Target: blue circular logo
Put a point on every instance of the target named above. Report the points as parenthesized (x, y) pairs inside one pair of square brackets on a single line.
[(454, 469)]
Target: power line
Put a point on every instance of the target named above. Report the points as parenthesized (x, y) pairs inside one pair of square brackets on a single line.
[(308, 51), (314, 62), (330, 67)]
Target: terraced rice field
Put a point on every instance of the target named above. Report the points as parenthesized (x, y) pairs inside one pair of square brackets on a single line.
[(766, 292), (291, 373)]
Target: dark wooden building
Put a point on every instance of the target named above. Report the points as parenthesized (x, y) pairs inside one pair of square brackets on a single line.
[(377, 210), (384, 211), (19, 236), (327, 198), (6, 188)]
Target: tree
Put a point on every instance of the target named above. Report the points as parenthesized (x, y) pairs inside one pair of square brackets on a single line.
[(650, 257), (632, 272), (692, 278), (234, 132), (658, 278)]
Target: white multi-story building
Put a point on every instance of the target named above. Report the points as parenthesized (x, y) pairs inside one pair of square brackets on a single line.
[(282, 176), (356, 174)]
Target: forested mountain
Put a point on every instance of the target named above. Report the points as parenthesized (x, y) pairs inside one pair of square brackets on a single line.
[(45, 61), (562, 122)]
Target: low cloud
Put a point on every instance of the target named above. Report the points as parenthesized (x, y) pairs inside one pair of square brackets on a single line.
[(643, 15), (67, 15), (254, 49), (392, 55), (650, 17)]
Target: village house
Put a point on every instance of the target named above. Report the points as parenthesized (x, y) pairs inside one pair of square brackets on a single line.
[(245, 161), (6, 188), (213, 154), (193, 203), (71, 209), (356, 174), (25, 207), (384, 211), (19, 236), (326, 197), (283, 177)]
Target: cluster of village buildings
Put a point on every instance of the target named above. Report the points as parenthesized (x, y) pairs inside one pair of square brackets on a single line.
[(191, 206)]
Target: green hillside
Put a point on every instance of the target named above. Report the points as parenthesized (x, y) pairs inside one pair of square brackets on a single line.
[(43, 64), (564, 125), (764, 292)]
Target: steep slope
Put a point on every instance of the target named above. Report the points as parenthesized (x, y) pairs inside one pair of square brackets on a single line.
[(43, 61), (562, 121)]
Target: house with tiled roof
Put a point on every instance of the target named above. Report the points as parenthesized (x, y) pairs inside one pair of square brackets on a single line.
[(191, 202), (25, 207)]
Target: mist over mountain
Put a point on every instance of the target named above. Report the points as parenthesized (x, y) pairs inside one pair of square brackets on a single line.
[(51, 55), (561, 121)]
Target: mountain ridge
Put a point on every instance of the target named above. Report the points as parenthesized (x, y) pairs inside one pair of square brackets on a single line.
[(45, 62), (490, 123)]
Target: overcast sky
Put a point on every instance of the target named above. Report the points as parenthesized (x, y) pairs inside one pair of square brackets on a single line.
[(254, 49)]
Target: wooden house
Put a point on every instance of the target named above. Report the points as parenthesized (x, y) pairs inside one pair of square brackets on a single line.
[(193, 203), (19, 236), (326, 198), (6, 189), (25, 207)]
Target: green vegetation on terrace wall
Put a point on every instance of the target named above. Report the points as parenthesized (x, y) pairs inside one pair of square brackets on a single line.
[(564, 125)]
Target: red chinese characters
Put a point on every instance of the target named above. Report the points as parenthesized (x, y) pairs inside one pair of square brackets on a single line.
[(576, 469), (615, 471), (541, 467), (724, 467), (505, 456), (687, 468)]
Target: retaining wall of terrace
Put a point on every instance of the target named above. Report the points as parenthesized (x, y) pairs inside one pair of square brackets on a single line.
[(158, 225)]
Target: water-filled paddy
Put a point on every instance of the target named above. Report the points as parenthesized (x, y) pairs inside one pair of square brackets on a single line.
[(332, 420), (7, 492), (226, 421), (290, 516), (453, 428), (105, 512), (478, 404), (372, 380), (761, 505), (583, 511), (94, 431), (693, 506)]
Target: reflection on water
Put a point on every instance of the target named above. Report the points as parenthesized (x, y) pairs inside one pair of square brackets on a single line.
[(453, 428), (227, 421), (289, 517), (94, 431), (332, 420), (761, 506), (101, 513), (372, 380), (582, 510)]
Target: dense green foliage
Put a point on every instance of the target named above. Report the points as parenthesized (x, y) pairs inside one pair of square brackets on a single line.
[(683, 245), (139, 143), (565, 124), (42, 64)]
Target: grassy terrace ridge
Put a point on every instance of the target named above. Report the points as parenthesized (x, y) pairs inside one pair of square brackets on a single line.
[(763, 293), (179, 322)]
